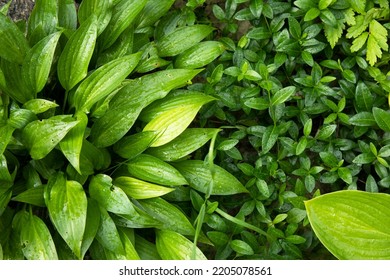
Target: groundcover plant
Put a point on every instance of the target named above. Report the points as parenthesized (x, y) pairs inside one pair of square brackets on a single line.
[(194, 129)]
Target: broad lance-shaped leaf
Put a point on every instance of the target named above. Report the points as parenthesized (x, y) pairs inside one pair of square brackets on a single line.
[(170, 216), (42, 21), (109, 196), (174, 246), (102, 10), (172, 123), (91, 226), (352, 224), (139, 189), (67, 206), (154, 170), (14, 85), (67, 14), (108, 235), (103, 81), (74, 60), (37, 64), (186, 143), (182, 39), (37, 242), (6, 134), (72, 143), (131, 146), (198, 175), (41, 136), (123, 15), (126, 105), (14, 45), (152, 11), (38, 106)]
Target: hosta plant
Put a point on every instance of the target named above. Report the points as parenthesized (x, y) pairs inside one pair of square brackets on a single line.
[(94, 132)]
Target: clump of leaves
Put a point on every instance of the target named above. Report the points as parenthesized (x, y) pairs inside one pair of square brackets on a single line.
[(90, 123)]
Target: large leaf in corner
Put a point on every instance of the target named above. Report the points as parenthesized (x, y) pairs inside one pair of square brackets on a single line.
[(352, 224)]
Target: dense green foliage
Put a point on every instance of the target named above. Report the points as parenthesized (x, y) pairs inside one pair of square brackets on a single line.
[(188, 130)]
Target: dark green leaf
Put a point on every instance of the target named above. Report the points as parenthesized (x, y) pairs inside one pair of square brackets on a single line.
[(14, 45), (382, 118)]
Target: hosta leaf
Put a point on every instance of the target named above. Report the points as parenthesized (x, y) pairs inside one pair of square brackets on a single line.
[(130, 251), (152, 11), (127, 104), (33, 196), (133, 145), (37, 242), (177, 99), (14, 45), (102, 10), (91, 226), (108, 235), (109, 196), (37, 63), (124, 14), (68, 211), (199, 177), (170, 216), (186, 143), (14, 85), (67, 14), (382, 118), (352, 224), (122, 46), (103, 81), (172, 123), (74, 60), (139, 189), (38, 106), (154, 170), (6, 131), (182, 39), (174, 246), (40, 137), (72, 143), (42, 21)]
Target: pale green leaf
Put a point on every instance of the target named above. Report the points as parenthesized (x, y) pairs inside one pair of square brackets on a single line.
[(36, 240), (200, 177), (139, 189), (68, 211), (352, 224), (358, 43), (174, 246)]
